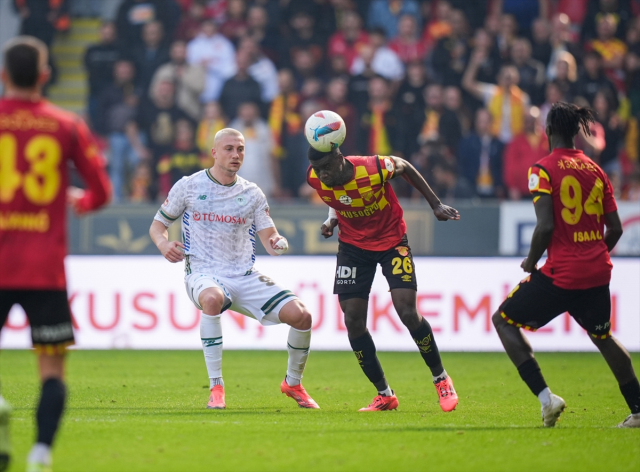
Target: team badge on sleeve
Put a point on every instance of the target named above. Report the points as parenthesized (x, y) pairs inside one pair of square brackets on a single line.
[(388, 164), (539, 180)]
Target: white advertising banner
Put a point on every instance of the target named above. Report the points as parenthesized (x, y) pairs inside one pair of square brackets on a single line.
[(139, 302), (518, 219)]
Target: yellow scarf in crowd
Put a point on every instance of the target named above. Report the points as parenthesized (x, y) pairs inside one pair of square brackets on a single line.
[(516, 96), (207, 130), (378, 138), (283, 111)]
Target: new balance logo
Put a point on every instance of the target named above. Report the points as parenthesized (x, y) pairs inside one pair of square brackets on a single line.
[(346, 275)]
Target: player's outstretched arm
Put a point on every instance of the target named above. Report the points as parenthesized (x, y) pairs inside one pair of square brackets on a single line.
[(542, 233), (415, 179), (172, 251), (614, 229), (273, 242)]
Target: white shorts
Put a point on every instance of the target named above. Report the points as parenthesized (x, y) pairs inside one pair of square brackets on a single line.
[(254, 295)]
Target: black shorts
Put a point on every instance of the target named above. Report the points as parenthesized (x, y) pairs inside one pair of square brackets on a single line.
[(536, 301), (356, 268), (48, 314)]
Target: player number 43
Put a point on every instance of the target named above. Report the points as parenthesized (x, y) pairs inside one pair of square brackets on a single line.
[(41, 182), (571, 198)]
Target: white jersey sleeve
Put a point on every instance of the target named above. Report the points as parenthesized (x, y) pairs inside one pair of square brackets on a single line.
[(262, 218), (175, 204)]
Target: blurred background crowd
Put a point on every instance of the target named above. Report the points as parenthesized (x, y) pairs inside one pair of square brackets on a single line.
[(460, 88)]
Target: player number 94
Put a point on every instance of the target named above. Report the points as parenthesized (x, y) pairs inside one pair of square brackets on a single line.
[(571, 198), (41, 182)]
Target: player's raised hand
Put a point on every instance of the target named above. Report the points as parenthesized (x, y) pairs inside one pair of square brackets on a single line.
[(444, 213), (173, 251), (327, 227)]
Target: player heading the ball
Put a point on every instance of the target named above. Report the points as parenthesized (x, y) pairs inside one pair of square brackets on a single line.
[(221, 216), (574, 202), (372, 231)]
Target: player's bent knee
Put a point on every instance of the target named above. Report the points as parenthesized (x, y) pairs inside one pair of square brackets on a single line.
[(296, 315), (211, 302), (356, 324), (498, 320)]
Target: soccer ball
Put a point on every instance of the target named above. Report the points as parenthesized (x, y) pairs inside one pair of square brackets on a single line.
[(325, 130)]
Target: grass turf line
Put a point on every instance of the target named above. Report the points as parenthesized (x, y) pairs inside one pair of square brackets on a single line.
[(144, 410)]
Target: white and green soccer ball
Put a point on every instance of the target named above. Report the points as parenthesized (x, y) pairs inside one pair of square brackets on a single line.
[(325, 130)]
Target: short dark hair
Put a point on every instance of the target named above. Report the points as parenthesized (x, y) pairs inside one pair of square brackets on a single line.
[(22, 58), (315, 155), (565, 119)]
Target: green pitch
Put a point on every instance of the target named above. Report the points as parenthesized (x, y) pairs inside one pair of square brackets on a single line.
[(135, 411)]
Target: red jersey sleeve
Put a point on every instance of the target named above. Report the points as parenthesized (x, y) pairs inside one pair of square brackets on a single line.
[(539, 180), (608, 202), (386, 167), (90, 164)]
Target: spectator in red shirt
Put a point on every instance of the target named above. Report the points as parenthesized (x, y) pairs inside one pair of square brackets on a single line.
[(190, 22), (408, 44), (349, 39), (235, 27), (438, 27), (521, 153)]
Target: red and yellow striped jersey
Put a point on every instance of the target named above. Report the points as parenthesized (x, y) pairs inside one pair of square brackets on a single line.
[(369, 215), (577, 255)]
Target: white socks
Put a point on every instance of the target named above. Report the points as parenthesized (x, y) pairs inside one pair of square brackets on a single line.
[(387, 392), (545, 397), (40, 454), (211, 336), (298, 347)]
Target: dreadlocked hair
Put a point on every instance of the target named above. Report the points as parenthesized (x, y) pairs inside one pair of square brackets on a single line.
[(566, 119)]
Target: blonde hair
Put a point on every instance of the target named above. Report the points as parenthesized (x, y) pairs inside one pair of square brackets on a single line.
[(226, 132)]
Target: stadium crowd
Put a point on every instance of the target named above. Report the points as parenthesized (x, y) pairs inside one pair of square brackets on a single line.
[(460, 88)]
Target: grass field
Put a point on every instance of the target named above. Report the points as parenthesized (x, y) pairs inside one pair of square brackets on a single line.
[(141, 410)]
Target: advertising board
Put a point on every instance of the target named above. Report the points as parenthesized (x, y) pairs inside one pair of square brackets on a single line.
[(140, 302)]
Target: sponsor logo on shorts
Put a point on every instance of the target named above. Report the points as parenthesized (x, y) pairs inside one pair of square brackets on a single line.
[(403, 250), (346, 275), (52, 334), (406, 278), (345, 199)]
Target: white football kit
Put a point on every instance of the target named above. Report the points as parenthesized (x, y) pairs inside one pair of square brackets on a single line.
[(219, 228)]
